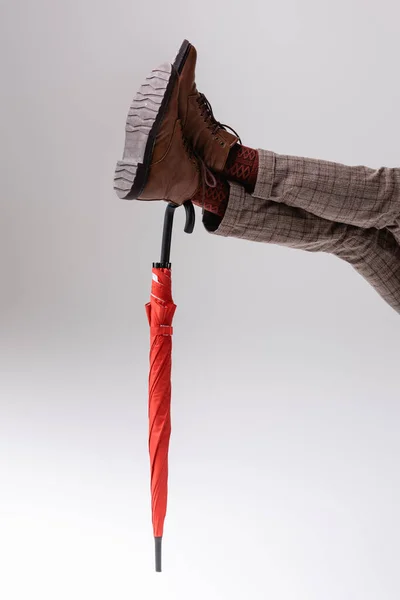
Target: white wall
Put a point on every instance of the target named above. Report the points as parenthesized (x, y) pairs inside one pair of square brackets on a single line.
[(284, 456)]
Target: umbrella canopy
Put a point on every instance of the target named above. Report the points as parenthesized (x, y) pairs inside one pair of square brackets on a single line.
[(160, 311)]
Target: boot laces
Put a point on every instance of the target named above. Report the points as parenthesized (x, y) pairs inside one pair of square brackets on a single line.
[(208, 115)]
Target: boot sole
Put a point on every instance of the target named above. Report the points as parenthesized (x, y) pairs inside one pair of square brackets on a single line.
[(182, 55), (144, 119)]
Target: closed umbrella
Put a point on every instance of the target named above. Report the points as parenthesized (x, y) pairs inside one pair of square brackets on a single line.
[(160, 312)]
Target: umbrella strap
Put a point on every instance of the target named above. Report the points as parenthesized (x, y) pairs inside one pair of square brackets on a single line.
[(162, 330)]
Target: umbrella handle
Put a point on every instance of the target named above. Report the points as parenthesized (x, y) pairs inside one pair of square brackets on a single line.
[(190, 216), (167, 231)]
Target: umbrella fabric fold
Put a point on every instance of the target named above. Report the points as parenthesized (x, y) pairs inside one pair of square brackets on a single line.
[(160, 312)]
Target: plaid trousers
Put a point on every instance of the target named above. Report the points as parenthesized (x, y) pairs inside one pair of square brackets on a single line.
[(321, 206)]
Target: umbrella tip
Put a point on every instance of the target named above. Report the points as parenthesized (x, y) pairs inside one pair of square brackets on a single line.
[(158, 541)]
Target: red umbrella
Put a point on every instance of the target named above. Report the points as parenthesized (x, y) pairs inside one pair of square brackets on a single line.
[(160, 311)]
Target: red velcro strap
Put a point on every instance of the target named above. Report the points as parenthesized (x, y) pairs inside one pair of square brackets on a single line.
[(162, 330)]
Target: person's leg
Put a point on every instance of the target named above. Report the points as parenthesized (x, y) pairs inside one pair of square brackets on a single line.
[(374, 253), (354, 195)]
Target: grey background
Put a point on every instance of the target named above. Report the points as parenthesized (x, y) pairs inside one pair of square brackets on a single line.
[(284, 455)]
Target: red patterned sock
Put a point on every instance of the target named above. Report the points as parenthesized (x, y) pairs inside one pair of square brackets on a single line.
[(215, 198), (242, 166)]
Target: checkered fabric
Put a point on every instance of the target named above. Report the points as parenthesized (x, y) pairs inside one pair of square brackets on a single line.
[(320, 206)]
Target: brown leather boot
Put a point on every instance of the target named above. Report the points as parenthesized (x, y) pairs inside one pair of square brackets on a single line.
[(208, 136), (157, 163)]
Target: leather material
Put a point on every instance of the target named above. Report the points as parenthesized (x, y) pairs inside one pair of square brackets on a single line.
[(163, 139), (212, 146), (174, 177), (187, 85), (174, 174)]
